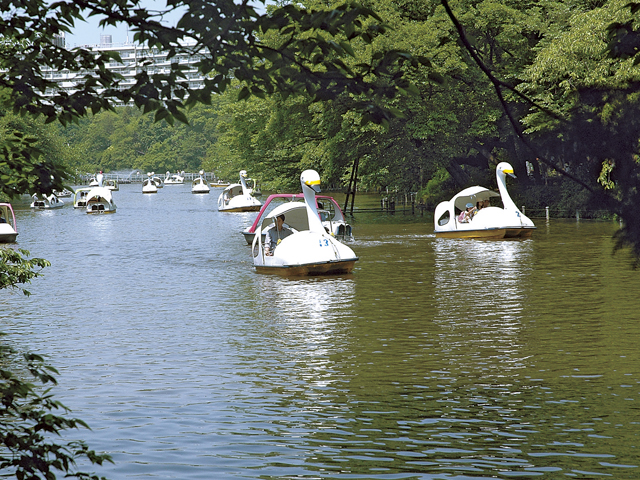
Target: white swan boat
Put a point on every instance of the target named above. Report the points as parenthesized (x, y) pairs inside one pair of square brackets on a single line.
[(96, 180), (199, 184), (148, 185), (100, 200), (112, 185), (310, 249), (254, 190), (46, 202), (158, 181), (8, 228), (219, 183), (65, 193), (330, 213), (175, 179), (80, 197), (489, 222), (236, 197)]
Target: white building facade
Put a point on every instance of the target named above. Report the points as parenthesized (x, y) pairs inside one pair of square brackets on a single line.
[(135, 59)]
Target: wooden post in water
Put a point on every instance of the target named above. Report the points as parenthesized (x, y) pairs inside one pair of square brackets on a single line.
[(351, 189)]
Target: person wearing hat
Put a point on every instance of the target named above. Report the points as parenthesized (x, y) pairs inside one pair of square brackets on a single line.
[(467, 214)]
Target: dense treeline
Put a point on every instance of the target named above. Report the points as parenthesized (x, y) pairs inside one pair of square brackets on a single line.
[(576, 114)]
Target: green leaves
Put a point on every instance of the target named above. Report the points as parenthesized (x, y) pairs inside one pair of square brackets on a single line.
[(16, 269), (27, 420), (302, 53)]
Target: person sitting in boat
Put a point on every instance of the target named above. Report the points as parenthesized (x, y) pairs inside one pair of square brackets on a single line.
[(467, 214), (276, 234)]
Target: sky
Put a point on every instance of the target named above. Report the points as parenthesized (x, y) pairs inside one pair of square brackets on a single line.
[(89, 33)]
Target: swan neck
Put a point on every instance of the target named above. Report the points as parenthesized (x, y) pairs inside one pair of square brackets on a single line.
[(315, 225), (244, 185), (504, 194)]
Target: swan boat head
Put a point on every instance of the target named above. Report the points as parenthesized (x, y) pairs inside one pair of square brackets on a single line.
[(309, 249)]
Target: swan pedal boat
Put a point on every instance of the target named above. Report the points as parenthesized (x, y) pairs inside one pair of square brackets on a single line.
[(174, 179), (489, 222), (100, 200), (46, 202), (112, 185), (8, 229), (65, 193), (330, 213), (236, 197), (149, 186), (309, 250), (80, 197), (199, 185), (219, 183)]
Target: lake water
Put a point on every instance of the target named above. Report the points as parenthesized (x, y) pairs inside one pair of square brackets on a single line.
[(435, 359)]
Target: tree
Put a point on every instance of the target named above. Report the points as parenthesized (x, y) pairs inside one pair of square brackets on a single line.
[(594, 101), (308, 59), (27, 413)]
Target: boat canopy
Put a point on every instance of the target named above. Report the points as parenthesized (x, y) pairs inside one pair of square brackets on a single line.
[(327, 206), (98, 193), (6, 210), (234, 188), (295, 215), (472, 195)]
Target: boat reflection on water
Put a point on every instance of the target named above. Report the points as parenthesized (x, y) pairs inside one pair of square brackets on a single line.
[(314, 298), (306, 322), (306, 315), (481, 296)]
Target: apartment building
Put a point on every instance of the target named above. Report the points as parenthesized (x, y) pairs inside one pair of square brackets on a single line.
[(135, 58)]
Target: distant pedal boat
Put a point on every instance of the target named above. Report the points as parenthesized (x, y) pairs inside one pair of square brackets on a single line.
[(199, 184), (99, 201), (148, 185), (8, 228), (236, 197), (80, 197), (175, 179), (489, 222), (46, 202)]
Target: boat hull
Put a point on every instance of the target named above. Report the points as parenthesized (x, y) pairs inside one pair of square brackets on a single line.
[(247, 208), (323, 268), (519, 232), (8, 237), (489, 233), (100, 212)]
